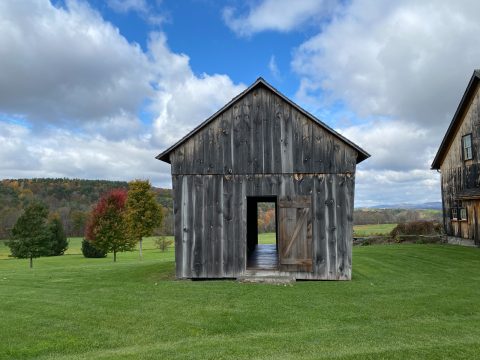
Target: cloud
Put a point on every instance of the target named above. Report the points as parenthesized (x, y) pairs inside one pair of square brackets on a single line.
[(276, 15), (78, 100), (183, 100), (395, 145), (408, 60), (379, 187), (67, 64), (273, 67), (141, 7), (62, 153), (403, 66), (124, 6)]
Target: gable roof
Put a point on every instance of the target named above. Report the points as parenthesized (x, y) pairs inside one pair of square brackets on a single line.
[(457, 120), (165, 155)]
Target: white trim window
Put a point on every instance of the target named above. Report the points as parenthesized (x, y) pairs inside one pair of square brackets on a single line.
[(467, 151)]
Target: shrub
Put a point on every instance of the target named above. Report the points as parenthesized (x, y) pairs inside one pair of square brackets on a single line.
[(412, 228), (163, 243), (90, 251)]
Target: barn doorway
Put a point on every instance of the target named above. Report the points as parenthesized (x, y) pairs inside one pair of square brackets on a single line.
[(262, 234)]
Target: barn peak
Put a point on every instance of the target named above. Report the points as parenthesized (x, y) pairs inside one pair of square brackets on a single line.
[(261, 82)]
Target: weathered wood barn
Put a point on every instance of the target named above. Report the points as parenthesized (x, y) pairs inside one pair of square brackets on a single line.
[(458, 160), (262, 147)]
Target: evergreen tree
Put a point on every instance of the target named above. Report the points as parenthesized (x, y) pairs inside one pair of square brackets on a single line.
[(58, 239), (106, 228), (31, 237), (143, 214)]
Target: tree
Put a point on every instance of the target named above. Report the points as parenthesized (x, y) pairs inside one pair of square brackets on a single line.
[(31, 237), (143, 214), (58, 239), (106, 228)]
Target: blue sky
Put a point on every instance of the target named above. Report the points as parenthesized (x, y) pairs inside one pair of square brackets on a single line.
[(95, 89)]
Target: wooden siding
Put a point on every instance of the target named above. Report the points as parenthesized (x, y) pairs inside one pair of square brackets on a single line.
[(458, 175), (263, 134), (210, 221)]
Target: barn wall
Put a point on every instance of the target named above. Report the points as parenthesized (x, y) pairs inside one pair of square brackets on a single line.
[(263, 134), (210, 221), (458, 175)]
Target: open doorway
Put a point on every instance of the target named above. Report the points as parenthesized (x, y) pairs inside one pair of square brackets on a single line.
[(262, 234)]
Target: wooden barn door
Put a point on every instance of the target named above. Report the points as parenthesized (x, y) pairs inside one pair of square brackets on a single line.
[(295, 233)]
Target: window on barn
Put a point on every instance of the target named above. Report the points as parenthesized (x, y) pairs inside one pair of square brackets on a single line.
[(453, 214), (458, 213), (467, 147)]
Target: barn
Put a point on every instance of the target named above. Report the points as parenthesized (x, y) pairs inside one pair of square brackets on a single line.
[(263, 148), (458, 160)]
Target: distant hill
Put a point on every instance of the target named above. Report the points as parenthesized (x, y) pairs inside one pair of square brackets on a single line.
[(435, 205), (72, 199)]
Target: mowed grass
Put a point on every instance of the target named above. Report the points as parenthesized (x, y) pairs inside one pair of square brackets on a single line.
[(358, 230), (404, 302), (375, 229)]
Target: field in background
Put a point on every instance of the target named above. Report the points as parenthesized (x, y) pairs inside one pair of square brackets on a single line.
[(266, 238), (375, 229)]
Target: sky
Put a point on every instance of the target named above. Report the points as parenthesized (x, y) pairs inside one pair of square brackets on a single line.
[(96, 89)]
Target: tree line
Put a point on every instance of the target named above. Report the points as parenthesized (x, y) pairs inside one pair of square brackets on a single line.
[(71, 199)]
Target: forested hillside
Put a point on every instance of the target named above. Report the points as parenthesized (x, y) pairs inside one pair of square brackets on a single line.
[(72, 199)]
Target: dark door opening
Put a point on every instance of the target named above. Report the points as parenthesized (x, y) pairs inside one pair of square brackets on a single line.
[(261, 217)]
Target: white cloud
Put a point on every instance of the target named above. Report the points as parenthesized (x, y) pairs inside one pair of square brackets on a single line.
[(273, 67), (277, 15), (76, 86), (64, 65), (62, 153), (379, 187), (407, 63), (409, 60), (183, 100), (143, 8), (124, 6), (394, 145)]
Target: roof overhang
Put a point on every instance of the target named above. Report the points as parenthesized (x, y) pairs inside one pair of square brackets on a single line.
[(165, 155), (456, 121)]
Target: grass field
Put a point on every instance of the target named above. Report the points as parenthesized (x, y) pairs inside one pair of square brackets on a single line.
[(358, 230), (376, 229), (404, 302)]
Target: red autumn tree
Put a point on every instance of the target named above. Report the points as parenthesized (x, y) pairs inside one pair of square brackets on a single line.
[(106, 228)]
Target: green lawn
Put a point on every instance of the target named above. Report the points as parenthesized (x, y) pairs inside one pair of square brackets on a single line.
[(404, 302), (358, 230), (375, 229)]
